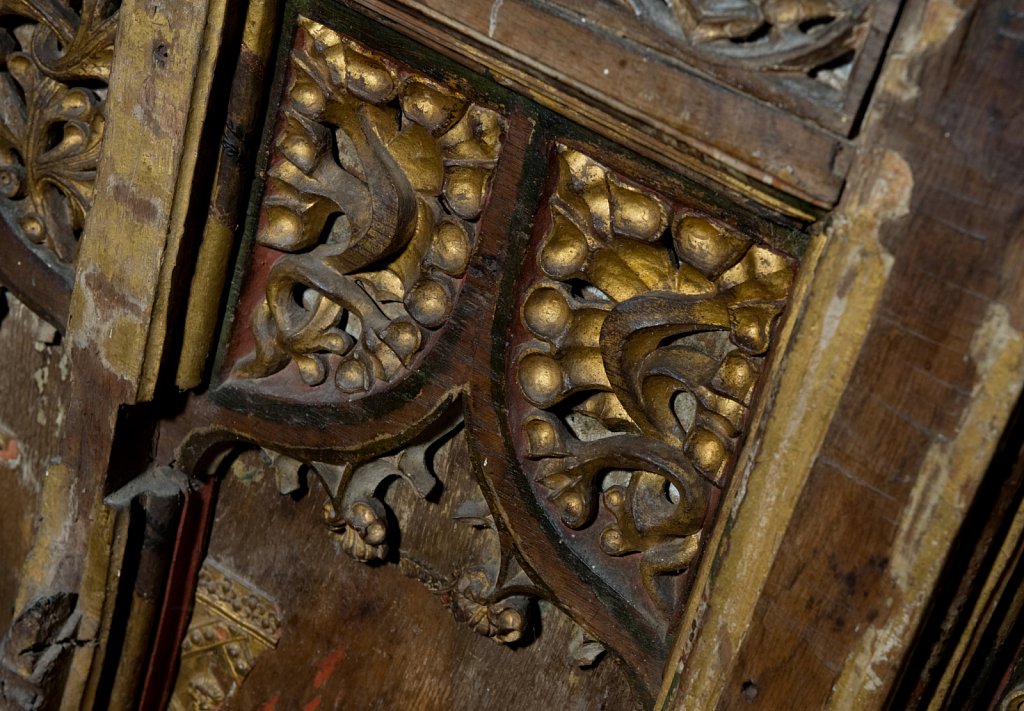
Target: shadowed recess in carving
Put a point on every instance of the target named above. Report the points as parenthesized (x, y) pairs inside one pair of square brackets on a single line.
[(642, 338), (376, 178), (55, 59)]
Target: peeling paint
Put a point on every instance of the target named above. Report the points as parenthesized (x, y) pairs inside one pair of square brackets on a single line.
[(10, 452), (64, 365), (113, 330), (55, 529), (945, 486), (41, 376)]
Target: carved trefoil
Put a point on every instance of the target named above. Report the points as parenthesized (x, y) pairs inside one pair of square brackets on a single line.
[(376, 178), (485, 587)]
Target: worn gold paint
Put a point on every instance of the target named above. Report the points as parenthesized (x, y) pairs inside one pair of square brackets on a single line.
[(233, 623), (842, 278), (982, 611), (97, 594), (218, 236), (543, 93), (47, 179), (935, 22), (639, 303), (51, 535), (944, 488), (130, 236), (402, 216), (204, 301)]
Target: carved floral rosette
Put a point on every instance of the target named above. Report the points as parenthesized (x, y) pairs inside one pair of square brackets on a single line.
[(55, 59), (376, 179), (642, 332)]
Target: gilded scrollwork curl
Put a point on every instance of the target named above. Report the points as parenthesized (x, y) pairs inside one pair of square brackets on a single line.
[(643, 339), (376, 178), (55, 59)]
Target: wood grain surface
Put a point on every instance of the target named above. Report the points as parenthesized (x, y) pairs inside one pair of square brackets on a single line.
[(370, 637)]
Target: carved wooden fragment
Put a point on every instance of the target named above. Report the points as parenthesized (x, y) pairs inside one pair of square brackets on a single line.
[(641, 338), (375, 181), (355, 635), (526, 394), (598, 393), (56, 59)]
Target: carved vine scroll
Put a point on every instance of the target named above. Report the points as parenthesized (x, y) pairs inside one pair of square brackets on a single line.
[(777, 35), (55, 59), (377, 176), (641, 343)]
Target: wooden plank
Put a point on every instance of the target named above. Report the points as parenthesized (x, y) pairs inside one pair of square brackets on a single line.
[(44, 288), (34, 383)]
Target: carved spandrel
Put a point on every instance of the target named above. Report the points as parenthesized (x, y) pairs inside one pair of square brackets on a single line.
[(232, 624), (55, 59), (640, 343), (377, 176), (813, 58)]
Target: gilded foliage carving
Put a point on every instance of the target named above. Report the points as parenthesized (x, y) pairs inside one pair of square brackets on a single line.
[(232, 624), (777, 35), (376, 178), (605, 389), (489, 592), (643, 338), (55, 59)]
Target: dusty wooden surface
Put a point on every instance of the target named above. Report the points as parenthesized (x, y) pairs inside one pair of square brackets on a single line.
[(34, 404)]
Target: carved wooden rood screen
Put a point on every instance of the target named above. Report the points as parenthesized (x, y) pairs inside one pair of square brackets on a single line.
[(431, 354)]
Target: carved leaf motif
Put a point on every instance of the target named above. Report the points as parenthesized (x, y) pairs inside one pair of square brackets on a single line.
[(775, 35), (51, 120), (375, 179), (647, 332)]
